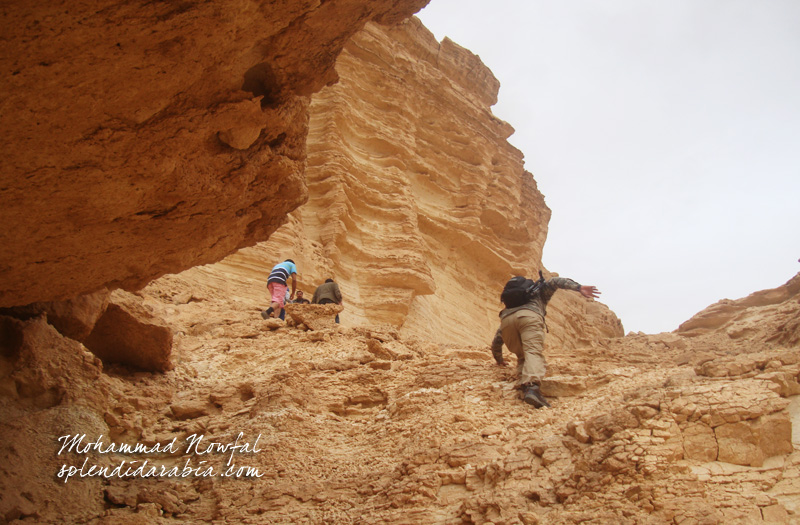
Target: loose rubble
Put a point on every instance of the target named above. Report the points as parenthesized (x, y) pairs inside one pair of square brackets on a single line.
[(361, 425)]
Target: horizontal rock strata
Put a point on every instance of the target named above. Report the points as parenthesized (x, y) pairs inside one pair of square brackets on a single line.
[(418, 205)]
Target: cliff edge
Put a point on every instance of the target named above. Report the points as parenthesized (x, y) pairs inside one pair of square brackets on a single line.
[(419, 207)]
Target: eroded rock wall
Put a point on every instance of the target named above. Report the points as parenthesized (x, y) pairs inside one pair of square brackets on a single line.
[(418, 205), (142, 138), (770, 315)]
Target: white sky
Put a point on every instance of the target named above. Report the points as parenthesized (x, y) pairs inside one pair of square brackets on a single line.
[(664, 135)]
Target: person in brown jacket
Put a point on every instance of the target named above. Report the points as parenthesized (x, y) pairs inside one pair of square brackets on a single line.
[(522, 329), (327, 293)]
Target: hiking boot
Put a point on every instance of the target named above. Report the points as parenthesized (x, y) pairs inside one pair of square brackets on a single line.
[(266, 314), (533, 396)]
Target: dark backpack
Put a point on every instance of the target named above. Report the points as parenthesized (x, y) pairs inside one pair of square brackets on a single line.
[(519, 290)]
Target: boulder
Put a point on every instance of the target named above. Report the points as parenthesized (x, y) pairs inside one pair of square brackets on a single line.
[(127, 333), (564, 386), (314, 316), (699, 442), (751, 442)]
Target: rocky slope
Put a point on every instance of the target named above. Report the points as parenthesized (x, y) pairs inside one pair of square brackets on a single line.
[(363, 425)]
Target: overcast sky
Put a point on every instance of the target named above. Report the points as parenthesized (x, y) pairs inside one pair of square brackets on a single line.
[(664, 135)]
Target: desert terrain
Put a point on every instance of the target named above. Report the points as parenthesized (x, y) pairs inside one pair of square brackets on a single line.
[(161, 158)]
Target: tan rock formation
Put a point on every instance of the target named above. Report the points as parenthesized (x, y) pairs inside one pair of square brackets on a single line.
[(148, 137), (34, 360), (366, 424), (400, 421), (50, 386), (74, 318), (313, 316), (129, 334), (418, 205), (744, 318)]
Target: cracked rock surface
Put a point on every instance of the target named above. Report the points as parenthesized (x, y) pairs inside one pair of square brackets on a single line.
[(363, 425)]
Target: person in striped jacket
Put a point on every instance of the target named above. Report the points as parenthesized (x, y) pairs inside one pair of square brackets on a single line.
[(277, 283)]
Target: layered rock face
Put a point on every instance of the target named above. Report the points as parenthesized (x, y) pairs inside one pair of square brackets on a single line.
[(148, 137), (418, 205)]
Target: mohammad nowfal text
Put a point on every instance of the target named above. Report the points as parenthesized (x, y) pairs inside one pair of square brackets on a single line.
[(194, 466)]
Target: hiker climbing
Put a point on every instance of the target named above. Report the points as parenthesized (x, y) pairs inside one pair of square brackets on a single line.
[(277, 285), (328, 293), (522, 328)]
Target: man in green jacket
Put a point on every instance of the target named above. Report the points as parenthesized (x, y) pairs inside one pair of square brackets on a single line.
[(522, 330)]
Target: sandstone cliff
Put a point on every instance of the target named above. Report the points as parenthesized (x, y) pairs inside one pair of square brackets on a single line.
[(418, 205), (143, 138)]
